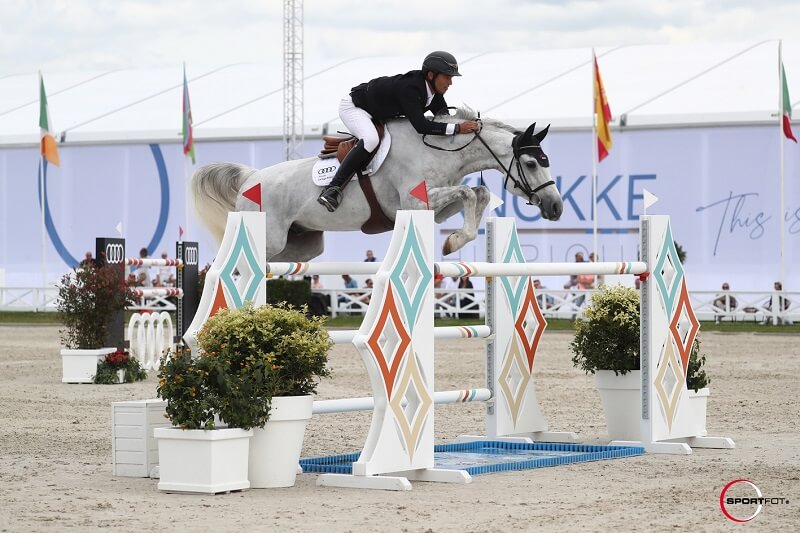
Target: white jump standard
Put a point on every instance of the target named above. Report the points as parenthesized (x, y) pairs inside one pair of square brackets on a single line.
[(395, 341)]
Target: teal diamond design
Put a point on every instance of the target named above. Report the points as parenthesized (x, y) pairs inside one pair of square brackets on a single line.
[(242, 248), (513, 255), (418, 275), (668, 265)]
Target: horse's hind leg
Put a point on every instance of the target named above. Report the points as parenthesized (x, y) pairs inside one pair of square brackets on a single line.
[(444, 201), (301, 246)]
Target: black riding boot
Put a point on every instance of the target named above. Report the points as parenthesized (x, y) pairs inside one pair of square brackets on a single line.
[(331, 195)]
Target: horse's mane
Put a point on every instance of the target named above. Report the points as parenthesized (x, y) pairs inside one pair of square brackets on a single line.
[(465, 112)]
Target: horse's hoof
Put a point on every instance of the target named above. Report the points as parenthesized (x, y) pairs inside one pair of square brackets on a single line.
[(447, 248)]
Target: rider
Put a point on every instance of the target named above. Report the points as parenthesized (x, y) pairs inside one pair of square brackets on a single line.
[(409, 94)]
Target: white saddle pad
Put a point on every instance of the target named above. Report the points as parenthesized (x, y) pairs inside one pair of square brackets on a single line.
[(325, 169)]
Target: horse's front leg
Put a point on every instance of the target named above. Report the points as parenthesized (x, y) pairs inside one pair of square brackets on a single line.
[(445, 202)]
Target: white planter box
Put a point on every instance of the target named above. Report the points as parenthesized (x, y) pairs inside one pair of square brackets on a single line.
[(134, 450), (80, 366), (275, 448), (196, 460), (621, 399), (697, 413)]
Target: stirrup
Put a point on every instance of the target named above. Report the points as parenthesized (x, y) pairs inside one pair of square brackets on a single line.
[(330, 197)]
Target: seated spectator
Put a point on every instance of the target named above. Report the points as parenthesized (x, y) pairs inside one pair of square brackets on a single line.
[(466, 299), (165, 276), (545, 301), (724, 303), (316, 283), (367, 295), (370, 257), (349, 283), (88, 260), (783, 304), (142, 273)]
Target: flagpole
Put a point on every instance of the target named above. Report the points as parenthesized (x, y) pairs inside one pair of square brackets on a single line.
[(43, 198), (595, 155), (781, 141)]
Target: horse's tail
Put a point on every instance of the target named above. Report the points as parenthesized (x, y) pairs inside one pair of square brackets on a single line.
[(215, 188)]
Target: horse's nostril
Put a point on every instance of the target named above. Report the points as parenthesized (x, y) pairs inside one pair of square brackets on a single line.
[(556, 209)]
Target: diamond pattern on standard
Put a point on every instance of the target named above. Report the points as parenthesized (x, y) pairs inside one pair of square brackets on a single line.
[(668, 272), (513, 285), (412, 391), (684, 326), (514, 378), (411, 275), (669, 381), (389, 340), (530, 324), (242, 274)]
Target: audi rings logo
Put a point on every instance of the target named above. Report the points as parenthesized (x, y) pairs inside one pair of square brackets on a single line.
[(190, 255), (325, 170), (735, 506), (115, 253)]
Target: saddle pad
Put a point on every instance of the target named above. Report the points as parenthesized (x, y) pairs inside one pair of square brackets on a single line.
[(325, 169)]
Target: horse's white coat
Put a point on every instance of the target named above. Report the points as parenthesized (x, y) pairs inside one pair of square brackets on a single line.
[(289, 197)]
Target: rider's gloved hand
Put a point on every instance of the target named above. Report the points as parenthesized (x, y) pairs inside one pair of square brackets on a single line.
[(468, 126)]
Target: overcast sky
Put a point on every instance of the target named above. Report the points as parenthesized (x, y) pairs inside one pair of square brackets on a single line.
[(58, 35)]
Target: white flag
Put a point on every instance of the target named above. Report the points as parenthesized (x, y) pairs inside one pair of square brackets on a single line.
[(494, 201), (119, 229), (649, 199)]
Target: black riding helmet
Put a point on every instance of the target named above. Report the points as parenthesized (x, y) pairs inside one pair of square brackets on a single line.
[(441, 63)]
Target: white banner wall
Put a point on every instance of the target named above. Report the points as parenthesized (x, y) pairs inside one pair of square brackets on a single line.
[(720, 186)]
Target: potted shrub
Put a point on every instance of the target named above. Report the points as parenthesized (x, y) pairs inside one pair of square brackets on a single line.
[(283, 353), (606, 344), (87, 299), (697, 382), (195, 456), (119, 367)]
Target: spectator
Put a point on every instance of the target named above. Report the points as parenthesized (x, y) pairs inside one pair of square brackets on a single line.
[(466, 299), (316, 283), (88, 260), (140, 276), (545, 301), (599, 280), (320, 302), (450, 284), (439, 309), (783, 304), (346, 301), (575, 281), (370, 257), (724, 303), (367, 295), (166, 275)]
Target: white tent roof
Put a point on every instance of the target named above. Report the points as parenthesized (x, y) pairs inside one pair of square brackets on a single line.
[(654, 85)]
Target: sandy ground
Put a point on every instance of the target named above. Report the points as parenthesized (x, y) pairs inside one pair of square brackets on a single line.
[(55, 454)]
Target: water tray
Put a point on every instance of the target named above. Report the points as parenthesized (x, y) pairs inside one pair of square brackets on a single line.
[(486, 457)]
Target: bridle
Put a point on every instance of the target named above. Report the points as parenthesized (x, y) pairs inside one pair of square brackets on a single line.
[(520, 182)]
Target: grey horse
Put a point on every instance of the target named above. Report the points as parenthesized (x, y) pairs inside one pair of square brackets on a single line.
[(296, 222)]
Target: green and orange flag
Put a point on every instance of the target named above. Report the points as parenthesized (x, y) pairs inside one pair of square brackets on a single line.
[(787, 107), (603, 113), (188, 132), (49, 148)]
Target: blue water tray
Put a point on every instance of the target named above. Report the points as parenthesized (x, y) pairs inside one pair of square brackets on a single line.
[(486, 457)]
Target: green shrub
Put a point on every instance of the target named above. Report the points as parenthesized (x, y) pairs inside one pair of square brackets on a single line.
[(246, 357), (696, 377), (296, 293), (608, 336)]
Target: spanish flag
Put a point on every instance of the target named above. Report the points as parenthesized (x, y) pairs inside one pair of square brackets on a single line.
[(603, 114), (48, 141)]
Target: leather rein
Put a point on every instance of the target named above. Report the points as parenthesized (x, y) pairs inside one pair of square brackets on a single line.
[(521, 183)]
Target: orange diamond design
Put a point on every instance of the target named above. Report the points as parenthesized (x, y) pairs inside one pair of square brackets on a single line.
[(530, 324), (388, 366), (684, 326)]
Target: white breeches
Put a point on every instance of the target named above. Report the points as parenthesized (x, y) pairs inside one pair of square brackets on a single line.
[(359, 123)]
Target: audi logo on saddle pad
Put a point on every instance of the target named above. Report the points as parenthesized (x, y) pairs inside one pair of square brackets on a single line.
[(325, 170)]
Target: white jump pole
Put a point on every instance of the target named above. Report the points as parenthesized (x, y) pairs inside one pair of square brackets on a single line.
[(367, 403)]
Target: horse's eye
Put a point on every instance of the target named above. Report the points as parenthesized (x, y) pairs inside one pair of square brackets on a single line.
[(530, 163)]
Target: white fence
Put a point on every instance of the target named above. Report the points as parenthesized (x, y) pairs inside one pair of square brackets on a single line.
[(740, 306)]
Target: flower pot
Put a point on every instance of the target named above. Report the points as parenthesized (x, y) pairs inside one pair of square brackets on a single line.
[(80, 366), (275, 448), (204, 461), (621, 399), (698, 402)]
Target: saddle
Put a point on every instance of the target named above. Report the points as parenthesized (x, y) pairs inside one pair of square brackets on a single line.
[(339, 146)]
